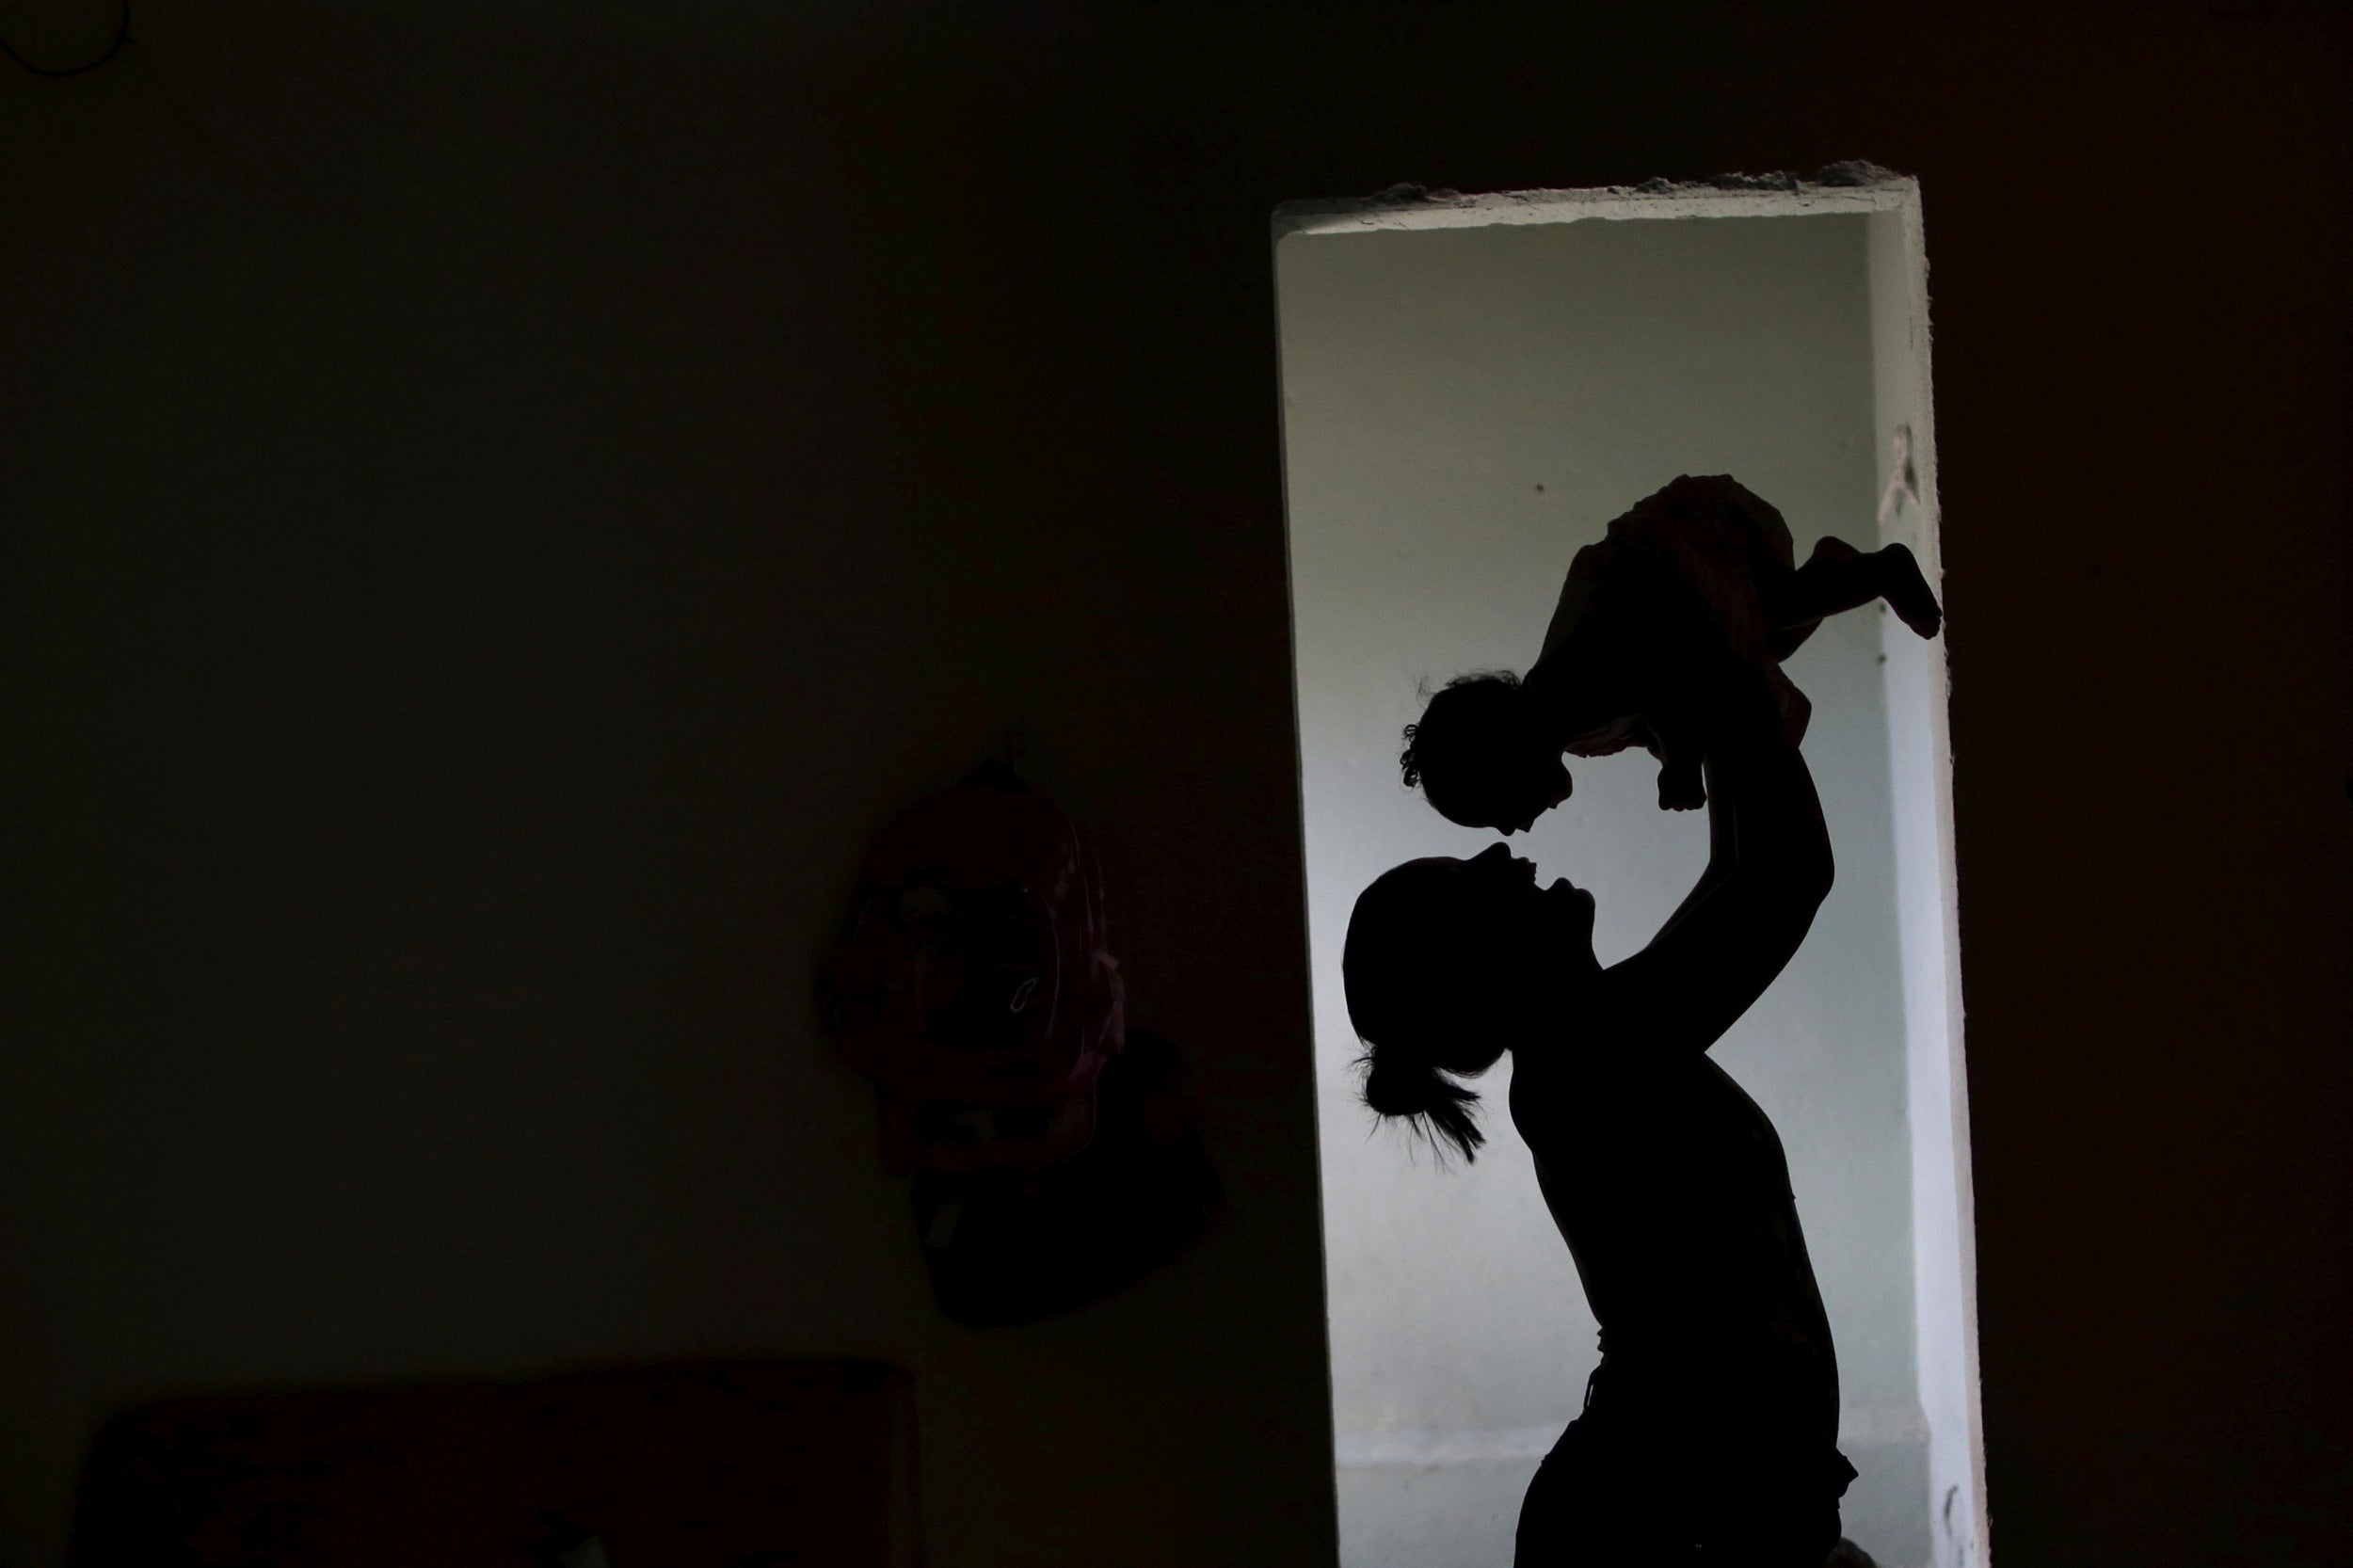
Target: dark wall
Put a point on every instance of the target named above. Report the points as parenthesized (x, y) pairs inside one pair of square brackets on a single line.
[(497, 511)]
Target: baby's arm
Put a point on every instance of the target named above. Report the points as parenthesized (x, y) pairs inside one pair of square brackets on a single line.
[(1659, 727), (1681, 748), (1621, 655), (1579, 687)]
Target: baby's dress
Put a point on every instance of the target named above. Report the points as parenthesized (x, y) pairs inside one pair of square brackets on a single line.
[(1678, 578)]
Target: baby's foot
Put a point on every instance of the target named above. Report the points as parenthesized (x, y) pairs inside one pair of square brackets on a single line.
[(1907, 592)]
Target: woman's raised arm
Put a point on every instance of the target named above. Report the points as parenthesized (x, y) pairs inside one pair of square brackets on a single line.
[(1769, 870)]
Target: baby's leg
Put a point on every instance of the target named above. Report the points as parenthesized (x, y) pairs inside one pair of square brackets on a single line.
[(1840, 577), (1680, 749)]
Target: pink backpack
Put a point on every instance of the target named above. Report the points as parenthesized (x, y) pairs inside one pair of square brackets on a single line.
[(972, 986)]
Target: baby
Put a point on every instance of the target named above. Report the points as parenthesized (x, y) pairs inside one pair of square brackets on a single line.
[(1699, 572)]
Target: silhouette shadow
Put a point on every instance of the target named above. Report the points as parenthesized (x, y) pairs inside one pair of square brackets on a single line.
[(1709, 1429)]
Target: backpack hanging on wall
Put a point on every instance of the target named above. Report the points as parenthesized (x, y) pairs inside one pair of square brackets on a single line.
[(973, 987), (1010, 1246), (1053, 1165)]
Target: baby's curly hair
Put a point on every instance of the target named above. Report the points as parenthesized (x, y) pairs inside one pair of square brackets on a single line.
[(1466, 732)]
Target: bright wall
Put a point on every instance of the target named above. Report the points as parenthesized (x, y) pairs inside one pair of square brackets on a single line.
[(1462, 409)]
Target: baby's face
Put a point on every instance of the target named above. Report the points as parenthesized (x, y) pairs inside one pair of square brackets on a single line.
[(1526, 791)]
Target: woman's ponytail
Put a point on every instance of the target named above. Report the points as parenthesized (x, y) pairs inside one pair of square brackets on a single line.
[(1411, 967), (1396, 1083)]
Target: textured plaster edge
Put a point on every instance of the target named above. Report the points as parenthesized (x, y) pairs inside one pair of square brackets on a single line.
[(1846, 187)]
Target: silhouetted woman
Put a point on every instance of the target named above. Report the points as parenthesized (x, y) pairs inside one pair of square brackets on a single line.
[(1709, 1429)]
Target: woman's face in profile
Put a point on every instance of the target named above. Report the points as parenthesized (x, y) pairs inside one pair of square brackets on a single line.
[(1524, 920)]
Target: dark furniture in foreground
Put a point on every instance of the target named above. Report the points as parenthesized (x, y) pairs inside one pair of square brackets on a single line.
[(721, 1465)]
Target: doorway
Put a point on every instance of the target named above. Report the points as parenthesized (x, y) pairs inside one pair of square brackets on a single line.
[(1472, 388)]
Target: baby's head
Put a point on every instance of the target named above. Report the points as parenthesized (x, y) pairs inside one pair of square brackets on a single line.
[(1482, 755)]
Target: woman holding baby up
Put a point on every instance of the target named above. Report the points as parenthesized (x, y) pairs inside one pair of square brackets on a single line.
[(1709, 1429)]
